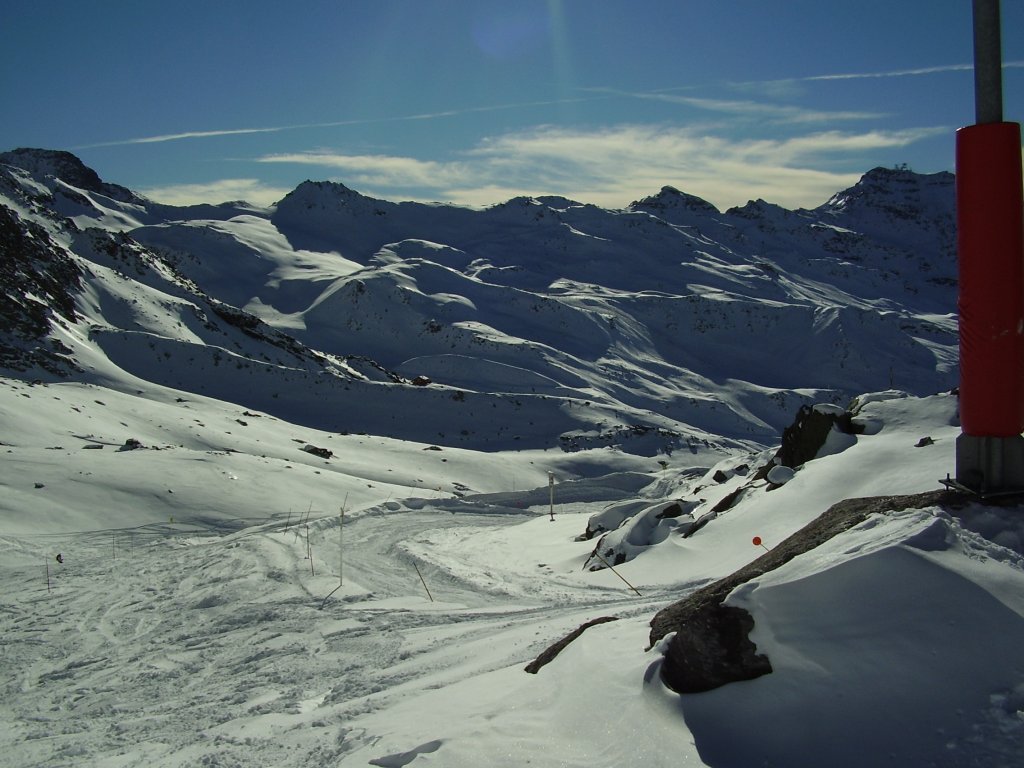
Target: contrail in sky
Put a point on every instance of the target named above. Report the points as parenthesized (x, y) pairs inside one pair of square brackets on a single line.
[(905, 72), (607, 94), (332, 124)]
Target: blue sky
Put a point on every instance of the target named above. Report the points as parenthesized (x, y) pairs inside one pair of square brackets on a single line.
[(475, 101)]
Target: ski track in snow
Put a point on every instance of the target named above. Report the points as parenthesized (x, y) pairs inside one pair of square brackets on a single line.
[(149, 647)]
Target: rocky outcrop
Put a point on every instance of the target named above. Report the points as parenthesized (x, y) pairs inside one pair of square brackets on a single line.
[(713, 648), (710, 642), (804, 438), (552, 651), (711, 645), (37, 278)]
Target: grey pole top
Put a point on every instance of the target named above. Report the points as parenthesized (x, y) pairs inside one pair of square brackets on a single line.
[(988, 63)]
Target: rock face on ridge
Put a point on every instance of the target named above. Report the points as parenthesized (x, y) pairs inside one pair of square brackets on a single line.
[(37, 283)]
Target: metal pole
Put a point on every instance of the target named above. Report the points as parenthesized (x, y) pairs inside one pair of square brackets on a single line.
[(988, 63), (309, 553), (990, 245), (551, 489)]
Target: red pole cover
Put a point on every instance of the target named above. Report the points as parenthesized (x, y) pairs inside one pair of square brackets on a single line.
[(990, 240)]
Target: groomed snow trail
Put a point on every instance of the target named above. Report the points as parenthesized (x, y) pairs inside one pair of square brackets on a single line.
[(164, 649)]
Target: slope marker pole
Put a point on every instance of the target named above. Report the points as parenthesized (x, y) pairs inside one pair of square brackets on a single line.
[(612, 569), (309, 552), (414, 565), (551, 490), (341, 542)]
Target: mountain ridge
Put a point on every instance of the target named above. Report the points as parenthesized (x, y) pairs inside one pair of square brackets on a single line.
[(664, 325)]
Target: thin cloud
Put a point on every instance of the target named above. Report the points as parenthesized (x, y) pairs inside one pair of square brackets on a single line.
[(639, 159), (780, 113), (609, 167), (614, 165), (776, 113), (253, 191), (377, 170)]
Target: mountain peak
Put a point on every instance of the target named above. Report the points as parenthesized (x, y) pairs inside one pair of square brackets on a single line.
[(325, 195), (758, 209), (49, 164), (56, 163), (670, 199), (886, 187)]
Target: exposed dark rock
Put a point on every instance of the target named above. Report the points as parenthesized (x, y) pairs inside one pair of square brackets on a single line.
[(711, 646), (55, 163), (43, 163), (323, 453), (728, 501), (369, 368), (719, 476), (802, 439), (238, 318), (553, 650), (712, 650), (704, 519), (37, 281), (255, 328), (672, 510)]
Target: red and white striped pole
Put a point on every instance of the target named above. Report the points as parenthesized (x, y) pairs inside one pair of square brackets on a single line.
[(990, 241)]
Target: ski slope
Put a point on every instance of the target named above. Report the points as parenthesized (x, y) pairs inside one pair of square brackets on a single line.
[(198, 631)]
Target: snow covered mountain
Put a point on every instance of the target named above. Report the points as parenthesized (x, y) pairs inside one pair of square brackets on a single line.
[(323, 477), (556, 324)]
